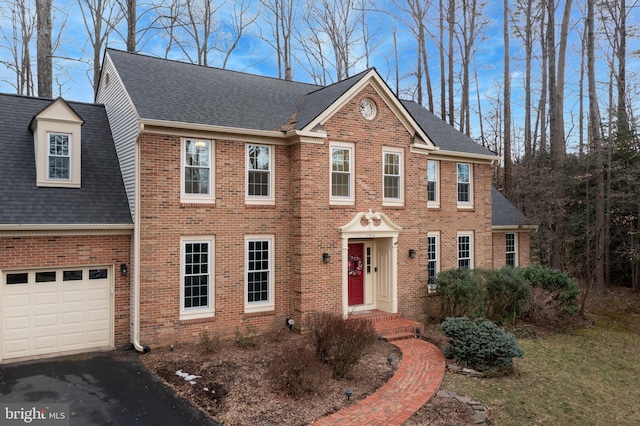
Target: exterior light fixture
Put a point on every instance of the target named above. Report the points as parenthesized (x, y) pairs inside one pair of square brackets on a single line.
[(326, 257), (289, 323), (348, 393), (123, 269), (412, 253), (389, 359)]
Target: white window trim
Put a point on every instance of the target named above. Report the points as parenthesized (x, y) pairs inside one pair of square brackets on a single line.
[(49, 155), (269, 305), (515, 248), (394, 201), (199, 198), (351, 199), (435, 203), (465, 204), (259, 199), (436, 235), (471, 251), (199, 312)]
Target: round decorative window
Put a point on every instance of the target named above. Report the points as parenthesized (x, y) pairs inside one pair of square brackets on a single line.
[(368, 109)]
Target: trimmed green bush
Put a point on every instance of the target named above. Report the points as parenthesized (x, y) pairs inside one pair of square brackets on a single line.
[(460, 293), (562, 290), (479, 343), (508, 293)]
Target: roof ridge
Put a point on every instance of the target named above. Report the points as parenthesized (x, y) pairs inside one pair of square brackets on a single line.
[(245, 73)]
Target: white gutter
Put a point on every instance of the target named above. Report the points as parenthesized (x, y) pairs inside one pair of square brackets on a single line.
[(136, 256)]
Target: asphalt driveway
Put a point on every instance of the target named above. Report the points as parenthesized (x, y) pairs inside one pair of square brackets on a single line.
[(111, 388)]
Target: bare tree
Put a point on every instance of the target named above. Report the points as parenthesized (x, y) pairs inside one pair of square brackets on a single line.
[(595, 137), (17, 40), (281, 19), (100, 18), (45, 52), (507, 101), (243, 17)]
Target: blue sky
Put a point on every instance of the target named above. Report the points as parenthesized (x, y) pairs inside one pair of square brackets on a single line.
[(253, 55)]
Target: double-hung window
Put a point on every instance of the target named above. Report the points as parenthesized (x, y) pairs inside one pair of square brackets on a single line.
[(465, 250), (342, 173), (433, 199), (259, 178), (197, 171), (259, 273), (432, 260), (59, 156), (511, 249), (196, 292), (392, 164), (465, 189)]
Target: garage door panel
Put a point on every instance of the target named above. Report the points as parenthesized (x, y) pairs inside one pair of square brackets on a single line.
[(41, 299), (45, 320), (16, 300), (56, 316)]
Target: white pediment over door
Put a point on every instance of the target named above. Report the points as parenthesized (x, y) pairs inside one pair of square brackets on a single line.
[(370, 225)]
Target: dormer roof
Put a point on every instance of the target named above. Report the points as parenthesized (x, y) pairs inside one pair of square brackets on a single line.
[(101, 199)]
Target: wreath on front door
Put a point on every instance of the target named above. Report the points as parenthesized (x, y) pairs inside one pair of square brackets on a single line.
[(355, 265)]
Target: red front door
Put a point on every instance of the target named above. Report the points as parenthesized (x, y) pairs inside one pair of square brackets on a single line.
[(355, 265)]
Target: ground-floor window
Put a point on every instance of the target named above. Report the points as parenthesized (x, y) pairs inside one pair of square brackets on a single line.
[(432, 261), (511, 249), (259, 273), (197, 278), (465, 250)]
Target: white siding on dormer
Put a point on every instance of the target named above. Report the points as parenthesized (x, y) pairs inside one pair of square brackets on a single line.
[(124, 122)]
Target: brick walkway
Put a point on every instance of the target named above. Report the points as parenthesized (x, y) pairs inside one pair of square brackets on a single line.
[(415, 382)]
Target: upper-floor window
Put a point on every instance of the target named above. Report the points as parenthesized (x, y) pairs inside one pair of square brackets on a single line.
[(432, 183), (342, 179), (432, 260), (511, 250), (392, 176), (465, 250), (465, 193), (259, 188), (197, 171), (59, 156), (197, 278)]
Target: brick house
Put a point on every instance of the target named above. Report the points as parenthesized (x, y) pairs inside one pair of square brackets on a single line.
[(230, 200), (256, 199), (65, 230)]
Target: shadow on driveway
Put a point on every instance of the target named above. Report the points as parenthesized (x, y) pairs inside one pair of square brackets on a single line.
[(111, 388)]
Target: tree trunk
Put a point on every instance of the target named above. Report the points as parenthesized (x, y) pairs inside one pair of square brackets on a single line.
[(45, 53), (451, 23), (596, 142), (507, 103), (131, 25)]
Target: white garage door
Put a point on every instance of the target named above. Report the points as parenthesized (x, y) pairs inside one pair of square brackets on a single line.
[(51, 311)]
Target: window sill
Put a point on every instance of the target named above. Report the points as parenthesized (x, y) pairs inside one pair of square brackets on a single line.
[(387, 203), (251, 309), (260, 202), (204, 314), (196, 200)]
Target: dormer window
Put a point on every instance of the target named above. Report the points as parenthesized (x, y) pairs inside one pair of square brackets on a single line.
[(59, 157), (57, 138)]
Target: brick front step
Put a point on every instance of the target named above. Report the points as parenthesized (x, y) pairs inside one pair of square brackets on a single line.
[(391, 327)]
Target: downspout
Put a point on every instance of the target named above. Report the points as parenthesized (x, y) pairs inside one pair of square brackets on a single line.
[(136, 252)]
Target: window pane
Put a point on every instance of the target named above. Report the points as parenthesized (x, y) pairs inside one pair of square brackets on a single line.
[(391, 187), (45, 277), (258, 271), (340, 184), (431, 260), (258, 183), (21, 278), (258, 157), (432, 177), (196, 276), (464, 251), (196, 180), (463, 193), (463, 173), (340, 160), (196, 153), (72, 275), (97, 274)]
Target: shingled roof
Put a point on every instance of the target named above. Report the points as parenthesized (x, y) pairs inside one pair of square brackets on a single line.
[(504, 213), (100, 200), (175, 91)]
